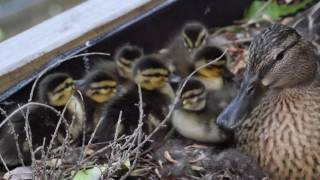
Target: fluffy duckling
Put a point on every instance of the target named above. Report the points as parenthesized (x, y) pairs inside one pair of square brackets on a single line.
[(215, 76), (98, 87), (152, 76), (121, 67), (192, 36), (125, 58), (56, 90), (276, 113), (194, 117)]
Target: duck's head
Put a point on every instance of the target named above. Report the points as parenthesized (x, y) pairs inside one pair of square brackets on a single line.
[(99, 86), (279, 58), (56, 89), (193, 95), (217, 69), (150, 73), (194, 35), (125, 58)]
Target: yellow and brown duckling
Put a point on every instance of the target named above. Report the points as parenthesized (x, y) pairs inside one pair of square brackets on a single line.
[(276, 113), (152, 75), (195, 115), (125, 57), (215, 76), (55, 90), (192, 36), (58, 90), (98, 87), (121, 66)]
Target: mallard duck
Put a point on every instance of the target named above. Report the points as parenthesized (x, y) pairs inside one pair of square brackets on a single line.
[(177, 55), (55, 90), (98, 87), (215, 76), (276, 113), (152, 76), (195, 115)]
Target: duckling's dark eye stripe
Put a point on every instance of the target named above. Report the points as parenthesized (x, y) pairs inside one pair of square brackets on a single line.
[(104, 87), (155, 75), (65, 84), (62, 88)]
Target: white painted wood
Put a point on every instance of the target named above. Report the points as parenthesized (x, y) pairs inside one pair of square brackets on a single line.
[(21, 49)]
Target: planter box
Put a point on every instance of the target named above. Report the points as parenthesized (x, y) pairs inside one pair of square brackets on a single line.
[(149, 25)]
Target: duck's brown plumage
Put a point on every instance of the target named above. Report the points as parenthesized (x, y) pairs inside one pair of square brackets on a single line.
[(283, 133), (276, 115)]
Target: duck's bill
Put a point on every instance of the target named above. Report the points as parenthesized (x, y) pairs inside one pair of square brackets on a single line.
[(250, 94)]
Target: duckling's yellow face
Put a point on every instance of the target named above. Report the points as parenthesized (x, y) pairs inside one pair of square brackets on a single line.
[(194, 99), (215, 70), (193, 39), (102, 91), (152, 78), (61, 93)]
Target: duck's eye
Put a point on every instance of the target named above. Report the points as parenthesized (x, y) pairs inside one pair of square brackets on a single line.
[(250, 89), (280, 56)]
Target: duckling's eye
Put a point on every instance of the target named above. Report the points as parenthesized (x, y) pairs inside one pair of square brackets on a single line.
[(279, 56)]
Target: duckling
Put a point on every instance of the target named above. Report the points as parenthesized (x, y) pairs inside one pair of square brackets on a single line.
[(55, 90), (192, 36), (58, 90), (152, 76), (98, 87), (125, 57), (276, 113), (194, 118), (215, 76), (120, 68)]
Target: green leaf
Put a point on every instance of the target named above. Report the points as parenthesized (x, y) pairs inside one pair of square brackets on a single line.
[(260, 10), (96, 173), (90, 174)]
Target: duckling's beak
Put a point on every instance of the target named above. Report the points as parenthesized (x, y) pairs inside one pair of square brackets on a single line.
[(250, 94)]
